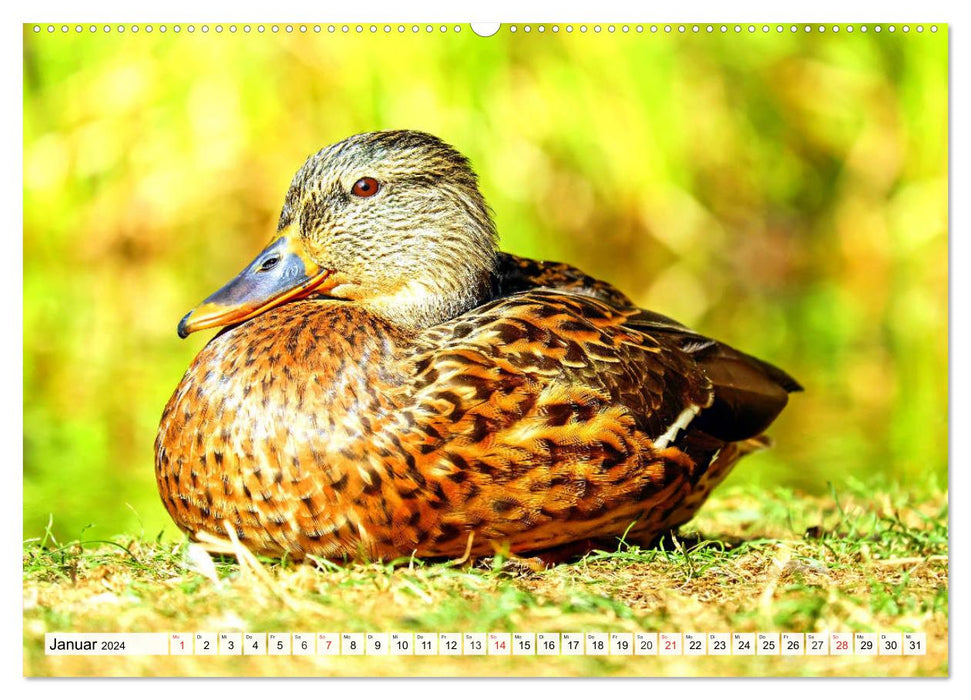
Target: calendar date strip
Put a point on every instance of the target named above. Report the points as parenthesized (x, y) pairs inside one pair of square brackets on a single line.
[(486, 644)]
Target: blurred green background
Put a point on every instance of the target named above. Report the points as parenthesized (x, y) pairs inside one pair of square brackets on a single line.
[(786, 193)]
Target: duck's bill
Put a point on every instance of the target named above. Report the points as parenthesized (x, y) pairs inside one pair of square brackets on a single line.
[(279, 274)]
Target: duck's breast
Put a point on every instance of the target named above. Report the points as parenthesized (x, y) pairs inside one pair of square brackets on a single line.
[(266, 421)]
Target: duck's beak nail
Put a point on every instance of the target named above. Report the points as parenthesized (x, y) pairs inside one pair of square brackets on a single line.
[(281, 272), (184, 326)]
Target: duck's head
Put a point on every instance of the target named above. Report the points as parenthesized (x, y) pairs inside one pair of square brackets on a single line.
[(391, 220)]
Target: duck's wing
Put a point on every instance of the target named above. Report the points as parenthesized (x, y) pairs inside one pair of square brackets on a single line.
[(561, 358), (748, 393)]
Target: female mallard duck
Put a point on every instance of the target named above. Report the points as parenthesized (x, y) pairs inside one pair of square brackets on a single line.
[(387, 383)]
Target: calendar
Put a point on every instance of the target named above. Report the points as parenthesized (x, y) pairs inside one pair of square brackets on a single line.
[(376, 347), (535, 644)]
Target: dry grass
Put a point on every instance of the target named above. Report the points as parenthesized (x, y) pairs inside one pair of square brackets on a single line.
[(779, 562)]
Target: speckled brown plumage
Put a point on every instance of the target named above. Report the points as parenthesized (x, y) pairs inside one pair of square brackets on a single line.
[(546, 411)]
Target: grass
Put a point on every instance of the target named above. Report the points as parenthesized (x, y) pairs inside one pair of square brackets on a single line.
[(751, 561)]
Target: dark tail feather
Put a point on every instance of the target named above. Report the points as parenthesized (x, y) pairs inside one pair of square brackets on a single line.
[(749, 393)]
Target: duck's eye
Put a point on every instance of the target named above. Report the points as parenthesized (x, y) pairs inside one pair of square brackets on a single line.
[(269, 264), (365, 187)]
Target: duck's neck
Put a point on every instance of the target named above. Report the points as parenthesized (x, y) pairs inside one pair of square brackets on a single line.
[(429, 301)]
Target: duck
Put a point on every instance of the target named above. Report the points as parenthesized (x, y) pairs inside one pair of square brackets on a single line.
[(386, 383)]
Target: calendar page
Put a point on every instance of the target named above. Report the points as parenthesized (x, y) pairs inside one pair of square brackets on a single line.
[(485, 350)]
